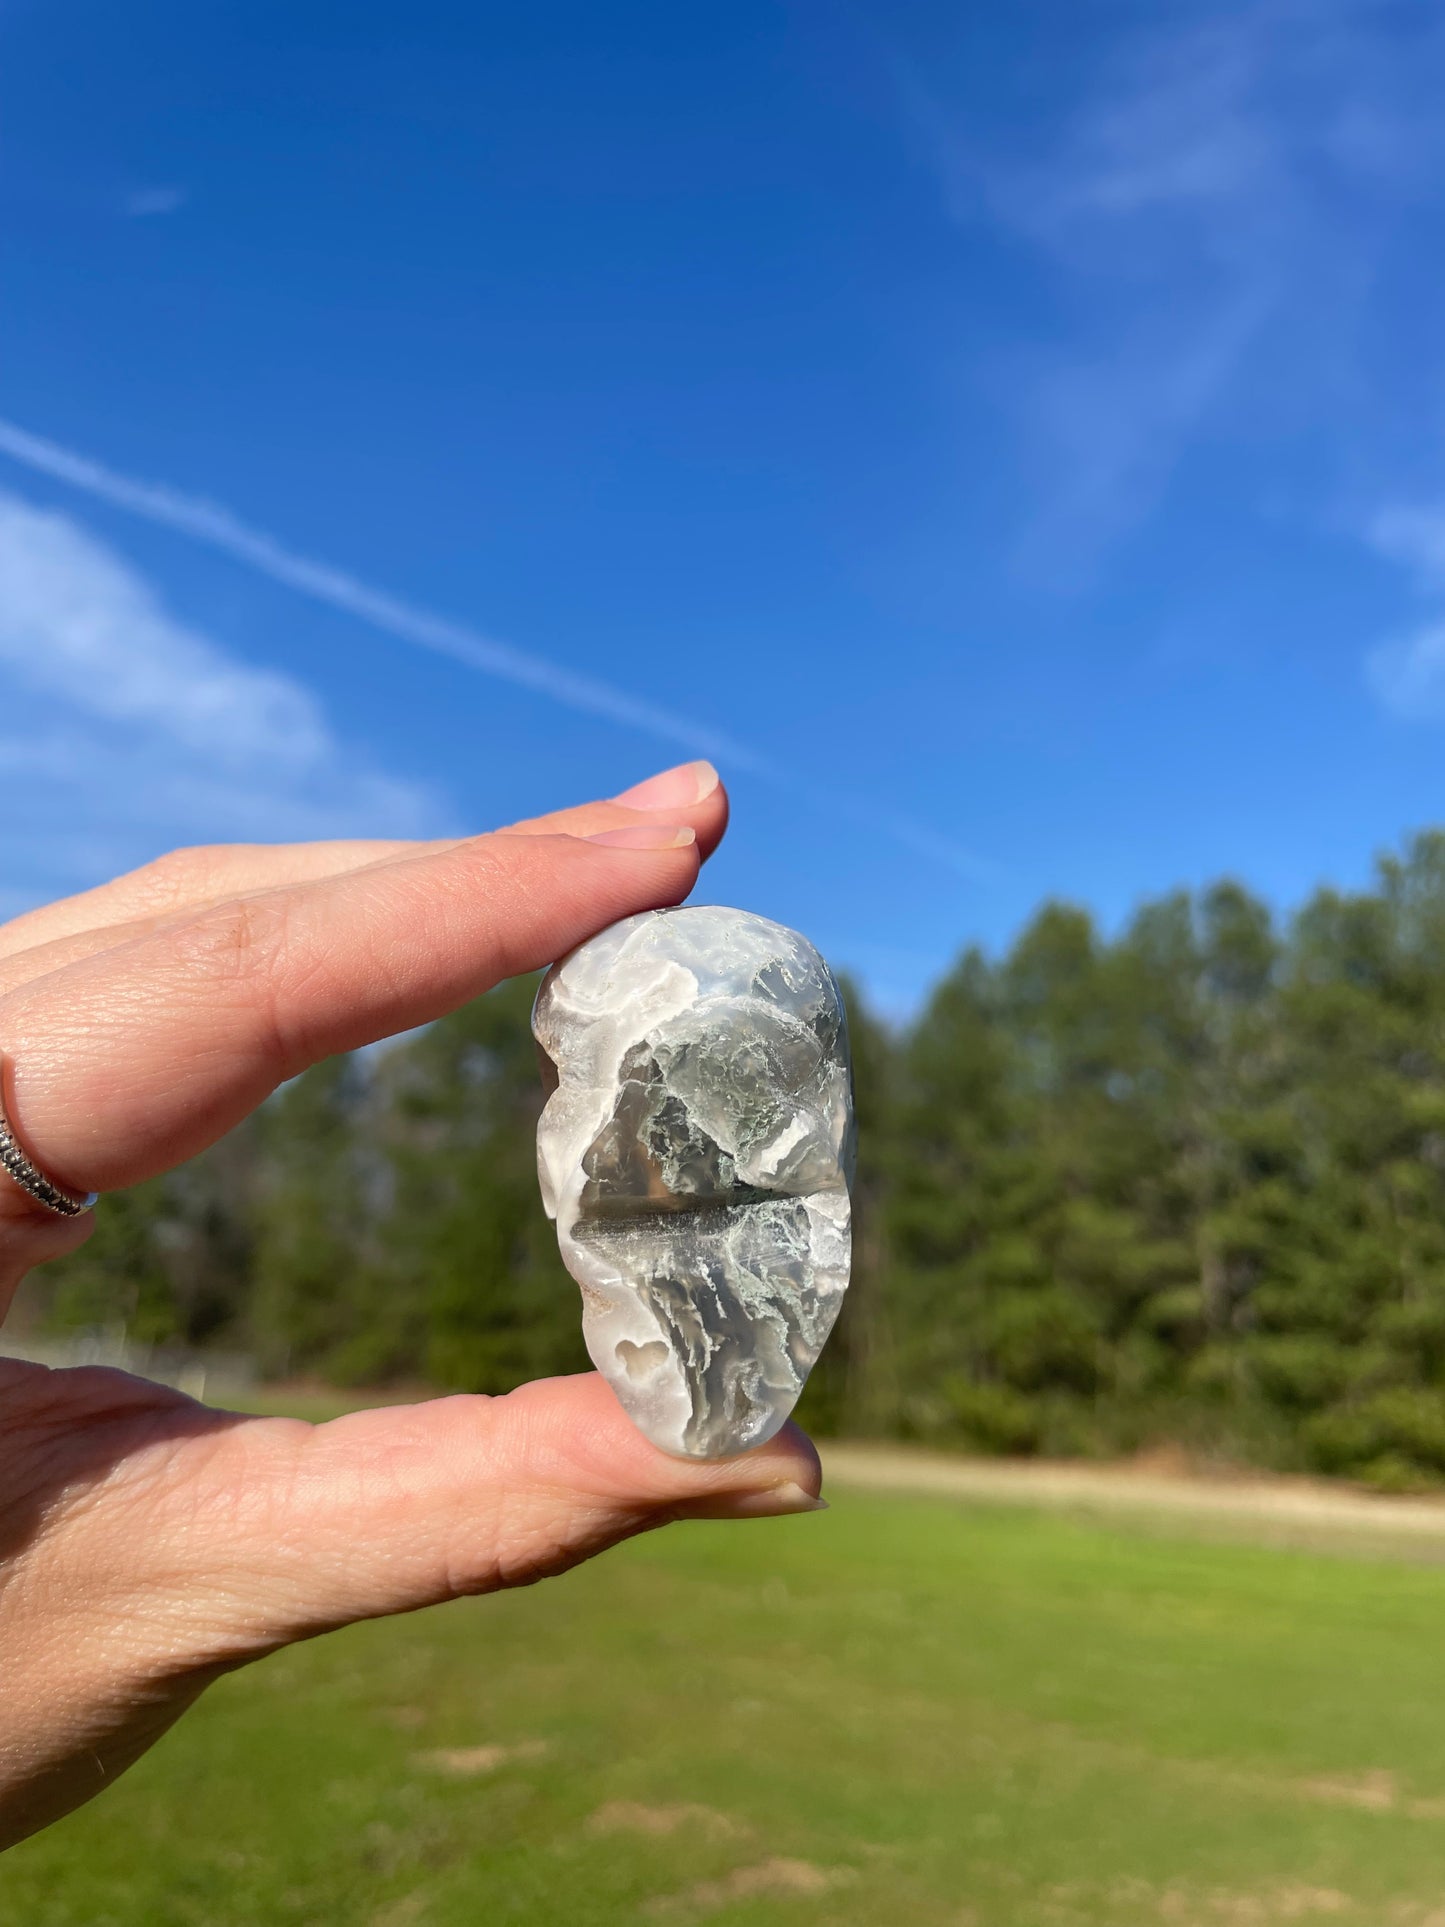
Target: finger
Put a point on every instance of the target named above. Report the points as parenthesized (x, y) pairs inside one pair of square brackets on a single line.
[(385, 1511), (188, 879), (128, 1062), (31, 1236), (692, 793), (23, 966)]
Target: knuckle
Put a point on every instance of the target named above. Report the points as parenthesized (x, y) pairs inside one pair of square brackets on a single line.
[(484, 873), (236, 955), (241, 941), (171, 880)]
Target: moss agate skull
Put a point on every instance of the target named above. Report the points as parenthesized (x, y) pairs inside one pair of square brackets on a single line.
[(696, 1150)]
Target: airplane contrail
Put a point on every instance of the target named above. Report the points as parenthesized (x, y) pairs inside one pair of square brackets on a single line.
[(216, 527), (207, 522)]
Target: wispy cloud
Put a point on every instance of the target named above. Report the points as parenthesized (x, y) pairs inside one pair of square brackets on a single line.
[(123, 731), (1406, 674), (1213, 207), (1413, 534), (206, 522), (146, 203), (79, 625), (218, 528)]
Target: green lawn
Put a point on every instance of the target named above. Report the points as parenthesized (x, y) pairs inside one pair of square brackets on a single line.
[(904, 1711)]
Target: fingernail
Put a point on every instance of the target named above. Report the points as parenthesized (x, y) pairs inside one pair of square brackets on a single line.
[(672, 789), (775, 1503), (646, 836)]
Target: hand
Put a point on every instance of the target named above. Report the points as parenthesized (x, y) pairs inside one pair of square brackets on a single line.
[(147, 1543)]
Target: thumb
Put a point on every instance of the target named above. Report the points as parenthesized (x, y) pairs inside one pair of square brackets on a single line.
[(147, 1543), (385, 1511)]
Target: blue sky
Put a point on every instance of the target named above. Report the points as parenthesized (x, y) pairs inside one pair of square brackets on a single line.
[(1013, 436)]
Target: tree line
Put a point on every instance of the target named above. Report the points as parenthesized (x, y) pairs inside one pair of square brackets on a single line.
[(1181, 1184)]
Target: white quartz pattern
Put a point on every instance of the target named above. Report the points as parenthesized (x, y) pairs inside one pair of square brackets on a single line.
[(696, 1154)]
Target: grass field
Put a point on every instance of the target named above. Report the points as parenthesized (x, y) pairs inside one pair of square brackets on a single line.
[(906, 1711)]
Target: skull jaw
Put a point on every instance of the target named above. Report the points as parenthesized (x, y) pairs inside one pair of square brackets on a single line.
[(706, 1324)]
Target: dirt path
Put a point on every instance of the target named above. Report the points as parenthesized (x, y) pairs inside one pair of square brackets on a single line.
[(1303, 1509)]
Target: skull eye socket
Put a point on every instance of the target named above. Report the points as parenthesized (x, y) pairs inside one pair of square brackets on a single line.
[(652, 1155)]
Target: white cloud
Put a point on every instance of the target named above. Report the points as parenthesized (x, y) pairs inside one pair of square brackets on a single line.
[(124, 732), (215, 527), (1214, 207), (77, 623), (1407, 676), (147, 202), (1108, 431), (1174, 123), (1415, 535)]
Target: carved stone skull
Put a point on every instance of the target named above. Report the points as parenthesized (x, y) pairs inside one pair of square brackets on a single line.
[(696, 1152)]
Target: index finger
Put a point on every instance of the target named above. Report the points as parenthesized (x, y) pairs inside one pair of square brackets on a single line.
[(131, 1060), (186, 879)]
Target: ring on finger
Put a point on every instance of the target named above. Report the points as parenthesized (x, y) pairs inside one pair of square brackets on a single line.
[(28, 1175)]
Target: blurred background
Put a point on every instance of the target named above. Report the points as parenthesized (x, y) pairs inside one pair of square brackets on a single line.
[(1010, 442)]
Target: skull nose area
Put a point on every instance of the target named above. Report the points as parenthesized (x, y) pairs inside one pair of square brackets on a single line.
[(712, 1111), (654, 1153)]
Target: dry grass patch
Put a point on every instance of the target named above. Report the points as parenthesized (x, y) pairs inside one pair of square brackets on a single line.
[(630, 1816), (768, 1879), (465, 1761)]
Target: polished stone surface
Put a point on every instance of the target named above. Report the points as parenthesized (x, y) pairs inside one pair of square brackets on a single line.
[(696, 1153)]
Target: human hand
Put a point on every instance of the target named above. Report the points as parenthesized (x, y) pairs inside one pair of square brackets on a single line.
[(149, 1544)]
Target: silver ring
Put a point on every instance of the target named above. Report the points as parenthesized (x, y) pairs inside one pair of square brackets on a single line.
[(65, 1204)]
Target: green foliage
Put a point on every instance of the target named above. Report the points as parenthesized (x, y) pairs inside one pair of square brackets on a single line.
[(465, 1240), (1187, 1182), (992, 1418), (311, 1221), (1190, 1182)]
